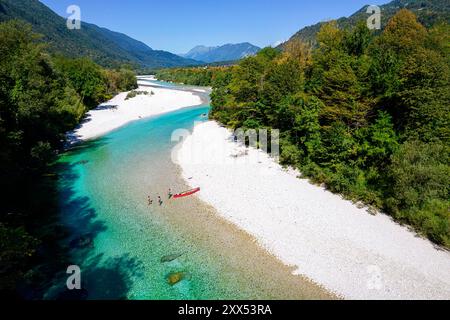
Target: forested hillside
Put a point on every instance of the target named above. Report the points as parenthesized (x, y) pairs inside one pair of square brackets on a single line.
[(364, 113), (105, 47), (200, 76), (429, 12)]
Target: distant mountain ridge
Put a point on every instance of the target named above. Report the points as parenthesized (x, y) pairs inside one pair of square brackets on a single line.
[(227, 52), (427, 11), (104, 46)]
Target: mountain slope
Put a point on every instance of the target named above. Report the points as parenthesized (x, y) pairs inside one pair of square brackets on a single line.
[(228, 52), (428, 12), (102, 45)]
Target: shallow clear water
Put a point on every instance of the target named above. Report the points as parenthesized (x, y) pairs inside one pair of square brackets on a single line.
[(104, 189), (163, 83), (104, 186)]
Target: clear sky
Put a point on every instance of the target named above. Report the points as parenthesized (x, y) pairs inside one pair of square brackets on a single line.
[(177, 26)]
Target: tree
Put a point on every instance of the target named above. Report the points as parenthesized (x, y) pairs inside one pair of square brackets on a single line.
[(86, 78), (32, 97), (298, 51), (402, 36), (377, 142), (403, 33), (420, 188), (358, 40), (338, 79)]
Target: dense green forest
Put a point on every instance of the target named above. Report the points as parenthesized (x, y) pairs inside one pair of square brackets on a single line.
[(41, 98), (196, 76), (365, 114)]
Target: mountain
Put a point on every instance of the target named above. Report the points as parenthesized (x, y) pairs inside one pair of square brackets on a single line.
[(104, 46), (228, 52), (428, 12)]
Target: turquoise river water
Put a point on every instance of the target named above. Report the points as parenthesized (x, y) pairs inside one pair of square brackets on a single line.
[(104, 186)]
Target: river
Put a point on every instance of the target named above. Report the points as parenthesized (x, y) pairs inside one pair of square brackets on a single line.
[(127, 249)]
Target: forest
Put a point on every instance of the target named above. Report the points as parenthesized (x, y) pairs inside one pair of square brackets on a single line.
[(364, 113), (195, 76), (42, 96)]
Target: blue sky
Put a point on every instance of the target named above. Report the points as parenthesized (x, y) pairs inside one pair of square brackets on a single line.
[(178, 26)]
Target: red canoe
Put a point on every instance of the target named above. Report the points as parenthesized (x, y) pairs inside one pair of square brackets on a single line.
[(186, 193)]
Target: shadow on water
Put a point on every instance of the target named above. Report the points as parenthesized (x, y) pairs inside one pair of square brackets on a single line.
[(100, 278), (82, 215), (105, 280), (87, 145), (113, 278)]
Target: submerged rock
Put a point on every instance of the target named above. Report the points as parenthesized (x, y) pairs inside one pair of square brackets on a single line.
[(170, 258), (176, 277)]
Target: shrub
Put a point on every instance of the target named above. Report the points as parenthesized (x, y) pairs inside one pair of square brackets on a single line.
[(132, 94)]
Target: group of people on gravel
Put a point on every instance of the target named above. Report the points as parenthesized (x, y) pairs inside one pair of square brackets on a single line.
[(160, 201)]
